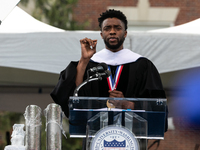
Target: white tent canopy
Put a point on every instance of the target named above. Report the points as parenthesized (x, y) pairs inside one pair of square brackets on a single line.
[(18, 21), (187, 28), (29, 44), (169, 51), (6, 7)]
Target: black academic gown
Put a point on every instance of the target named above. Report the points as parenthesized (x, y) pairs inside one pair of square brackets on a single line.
[(139, 79)]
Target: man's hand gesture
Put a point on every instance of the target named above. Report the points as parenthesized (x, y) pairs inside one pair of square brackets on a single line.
[(88, 48)]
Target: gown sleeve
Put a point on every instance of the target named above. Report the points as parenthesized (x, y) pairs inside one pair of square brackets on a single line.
[(65, 87)]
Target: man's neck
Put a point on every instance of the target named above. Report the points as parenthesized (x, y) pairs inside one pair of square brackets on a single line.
[(114, 50)]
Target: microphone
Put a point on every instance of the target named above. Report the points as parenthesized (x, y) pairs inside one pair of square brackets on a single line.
[(96, 76), (99, 68), (104, 74)]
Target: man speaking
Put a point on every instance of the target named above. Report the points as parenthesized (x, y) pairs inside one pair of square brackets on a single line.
[(131, 76)]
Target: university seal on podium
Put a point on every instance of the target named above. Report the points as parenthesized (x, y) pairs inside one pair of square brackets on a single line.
[(114, 138)]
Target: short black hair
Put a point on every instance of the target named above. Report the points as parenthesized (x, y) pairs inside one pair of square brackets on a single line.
[(111, 13)]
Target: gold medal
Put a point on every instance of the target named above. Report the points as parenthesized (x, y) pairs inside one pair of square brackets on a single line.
[(110, 105)]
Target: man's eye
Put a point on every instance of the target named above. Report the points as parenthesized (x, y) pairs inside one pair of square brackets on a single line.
[(118, 28), (106, 28)]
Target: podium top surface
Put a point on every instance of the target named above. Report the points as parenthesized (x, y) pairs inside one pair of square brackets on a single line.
[(145, 104), (111, 98)]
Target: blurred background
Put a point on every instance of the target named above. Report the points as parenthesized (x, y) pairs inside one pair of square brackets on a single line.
[(165, 31)]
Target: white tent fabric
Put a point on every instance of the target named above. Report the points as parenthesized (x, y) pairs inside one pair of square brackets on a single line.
[(18, 21), (6, 7), (29, 44), (169, 52), (187, 28)]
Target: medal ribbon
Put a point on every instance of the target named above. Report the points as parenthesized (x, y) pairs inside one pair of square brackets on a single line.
[(113, 82)]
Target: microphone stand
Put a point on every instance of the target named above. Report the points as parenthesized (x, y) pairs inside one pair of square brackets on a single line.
[(97, 76)]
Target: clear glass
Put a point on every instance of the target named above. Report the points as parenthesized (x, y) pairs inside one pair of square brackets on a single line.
[(89, 114)]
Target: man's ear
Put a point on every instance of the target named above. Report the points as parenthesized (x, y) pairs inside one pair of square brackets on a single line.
[(125, 34), (101, 35)]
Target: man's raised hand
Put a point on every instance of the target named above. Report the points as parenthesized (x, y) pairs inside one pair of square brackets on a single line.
[(88, 48)]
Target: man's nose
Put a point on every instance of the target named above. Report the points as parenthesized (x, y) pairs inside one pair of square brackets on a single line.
[(112, 31)]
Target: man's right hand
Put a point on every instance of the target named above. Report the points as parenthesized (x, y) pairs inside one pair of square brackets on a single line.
[(88, 48)]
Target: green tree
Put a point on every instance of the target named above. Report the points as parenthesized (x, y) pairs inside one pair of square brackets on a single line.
[(57, 13)]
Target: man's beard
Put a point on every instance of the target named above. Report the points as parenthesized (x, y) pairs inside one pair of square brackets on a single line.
[(113, 47)]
